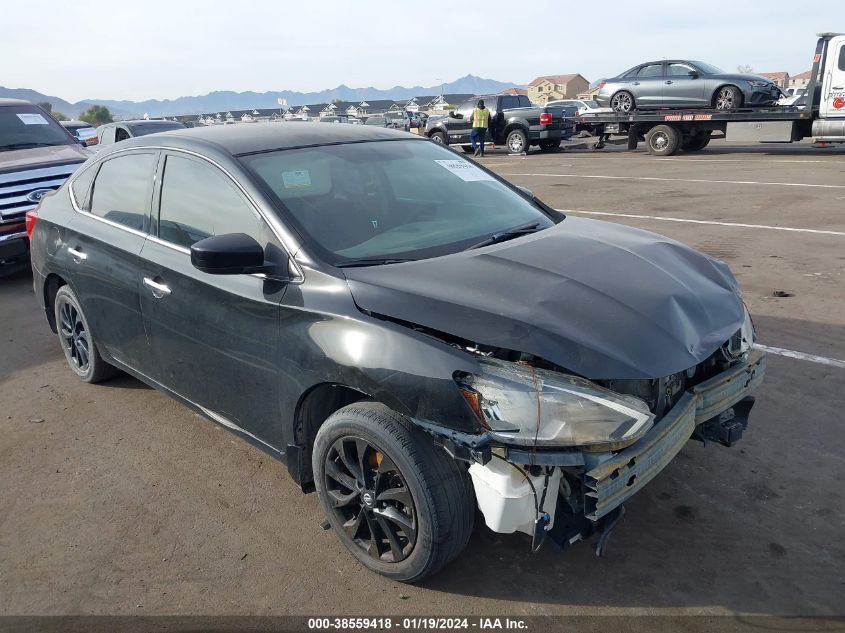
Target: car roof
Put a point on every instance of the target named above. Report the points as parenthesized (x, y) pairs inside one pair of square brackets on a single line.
[(9, 102), (246, 138)]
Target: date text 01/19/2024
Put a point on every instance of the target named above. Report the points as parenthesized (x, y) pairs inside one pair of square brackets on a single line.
[(416, 624)]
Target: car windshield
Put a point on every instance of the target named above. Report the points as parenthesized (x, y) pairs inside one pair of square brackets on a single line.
[(710, 69), (390, 199), (142, 129), (25, 126)]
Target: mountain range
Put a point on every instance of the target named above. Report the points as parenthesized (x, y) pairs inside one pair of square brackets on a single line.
[(224, 100)]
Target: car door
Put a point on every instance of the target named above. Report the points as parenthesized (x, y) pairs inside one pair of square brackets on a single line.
[(103, 242), (214, 339), (459, 128), (683, 86), (647, 85), (833, 82)]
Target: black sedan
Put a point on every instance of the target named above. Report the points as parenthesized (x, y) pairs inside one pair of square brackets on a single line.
[(410, 333), (684, 84)]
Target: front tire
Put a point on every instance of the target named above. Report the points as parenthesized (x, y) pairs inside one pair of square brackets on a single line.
[(399, 504), (623, 102), (727, 98), (78, 342), (439, 137)]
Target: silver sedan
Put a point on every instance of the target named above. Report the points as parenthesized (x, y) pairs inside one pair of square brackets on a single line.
[(684, 84)]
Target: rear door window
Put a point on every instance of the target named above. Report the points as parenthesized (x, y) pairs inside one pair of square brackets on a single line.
[(198, 201), (652, 70), (123, 188)]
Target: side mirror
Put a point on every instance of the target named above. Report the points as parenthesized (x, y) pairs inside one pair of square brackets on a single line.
[(456, 115), (228, 254), (694, 74), (526, 191)]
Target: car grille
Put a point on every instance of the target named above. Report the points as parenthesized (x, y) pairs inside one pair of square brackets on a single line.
[(15, 188)]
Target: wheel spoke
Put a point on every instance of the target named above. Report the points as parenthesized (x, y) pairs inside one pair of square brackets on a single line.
[(374, 548), (366, 472), (353, 525), (340, 500), (405, 523), (333, 471), (349, 461), (392, 539), (396, 494)]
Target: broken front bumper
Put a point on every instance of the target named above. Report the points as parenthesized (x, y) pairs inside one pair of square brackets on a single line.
[(612, 482)]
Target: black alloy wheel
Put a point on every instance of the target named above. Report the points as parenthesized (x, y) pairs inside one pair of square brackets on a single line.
[(371, 499), (74, 336)]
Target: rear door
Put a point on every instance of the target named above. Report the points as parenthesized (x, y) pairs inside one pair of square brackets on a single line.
[(833, 87), (214, 339), (647, 86), (103, 242), (680, 88)]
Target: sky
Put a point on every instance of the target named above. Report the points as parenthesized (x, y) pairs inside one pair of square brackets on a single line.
[(156, 49)]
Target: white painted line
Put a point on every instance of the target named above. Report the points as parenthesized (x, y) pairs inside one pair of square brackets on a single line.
[(580, 157), (713, 222), (821, 360), (701, 180)]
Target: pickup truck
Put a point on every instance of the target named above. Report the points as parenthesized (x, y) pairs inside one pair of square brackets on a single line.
[(36, 157), (514, 123)]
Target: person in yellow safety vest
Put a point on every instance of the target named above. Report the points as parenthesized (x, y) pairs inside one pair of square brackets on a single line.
[(480, 122)]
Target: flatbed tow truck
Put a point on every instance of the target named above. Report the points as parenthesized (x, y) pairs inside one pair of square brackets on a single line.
[(666, 132)]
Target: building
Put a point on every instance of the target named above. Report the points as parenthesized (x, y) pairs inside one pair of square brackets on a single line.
[(552, 87), (780, 79), (800, 80)]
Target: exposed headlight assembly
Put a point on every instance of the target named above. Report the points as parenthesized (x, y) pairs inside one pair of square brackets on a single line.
[(520, 404), (759, 84)]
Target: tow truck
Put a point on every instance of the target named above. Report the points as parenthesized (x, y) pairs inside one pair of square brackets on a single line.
[(666, 132)]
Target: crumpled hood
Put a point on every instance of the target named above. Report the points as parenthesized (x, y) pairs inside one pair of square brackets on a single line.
[(599, 299)]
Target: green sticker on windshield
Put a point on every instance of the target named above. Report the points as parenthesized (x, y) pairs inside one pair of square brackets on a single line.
[(300, 179)]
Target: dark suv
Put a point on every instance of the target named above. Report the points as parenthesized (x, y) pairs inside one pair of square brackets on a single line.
[(36, 157), (409, 332)]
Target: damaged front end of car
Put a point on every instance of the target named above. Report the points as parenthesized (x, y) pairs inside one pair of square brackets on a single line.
[(560, 455)]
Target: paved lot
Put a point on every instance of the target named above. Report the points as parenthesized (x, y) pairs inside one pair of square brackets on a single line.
[(116, 499)]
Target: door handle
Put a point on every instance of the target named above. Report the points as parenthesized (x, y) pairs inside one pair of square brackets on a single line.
[(78, 256), (636, 83), (669, 82), (159, 290), (837, 88)]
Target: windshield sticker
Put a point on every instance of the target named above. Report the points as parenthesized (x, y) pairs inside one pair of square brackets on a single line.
[(32, 118), (300, 179), (464, 170)]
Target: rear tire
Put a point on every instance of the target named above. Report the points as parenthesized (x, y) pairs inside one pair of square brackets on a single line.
[(439, 137), (517, 141), (696, 143), (77, 340), (623, 102), (663, 140), (727, 98), (376, 473)]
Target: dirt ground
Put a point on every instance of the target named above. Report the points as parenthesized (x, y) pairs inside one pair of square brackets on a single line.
[(115, 499)]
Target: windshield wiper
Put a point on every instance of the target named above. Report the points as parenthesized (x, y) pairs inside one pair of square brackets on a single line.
[(509, 234), (29, 145), (374, 261)]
